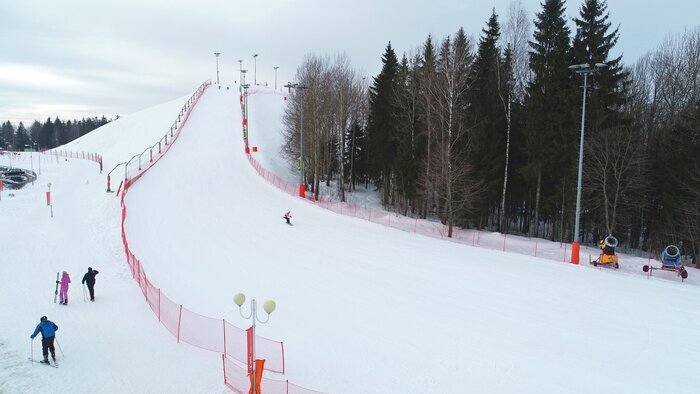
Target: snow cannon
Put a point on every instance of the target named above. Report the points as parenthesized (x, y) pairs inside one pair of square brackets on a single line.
[(670, 261), (607, 257)]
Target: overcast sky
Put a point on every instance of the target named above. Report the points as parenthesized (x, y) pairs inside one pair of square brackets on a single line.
[(75, 58)]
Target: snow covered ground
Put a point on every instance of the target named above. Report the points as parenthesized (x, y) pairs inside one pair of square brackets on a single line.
[(361, 308)]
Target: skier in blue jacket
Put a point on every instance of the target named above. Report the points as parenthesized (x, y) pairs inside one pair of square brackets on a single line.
[(48, 334)]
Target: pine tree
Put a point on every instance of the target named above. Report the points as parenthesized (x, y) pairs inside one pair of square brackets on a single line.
[(356, 155), (381, 130), (23, 141), (549, 124), (607, 91), (409, 136), (488, 121), (60, 132), (35, 131), (427, 83), (8, 135), (47, 135)]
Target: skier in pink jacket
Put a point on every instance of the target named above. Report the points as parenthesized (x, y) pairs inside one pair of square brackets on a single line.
[(65, 281)]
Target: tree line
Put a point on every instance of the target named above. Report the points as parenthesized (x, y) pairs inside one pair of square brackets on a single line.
[(485, 132), (47, 135)]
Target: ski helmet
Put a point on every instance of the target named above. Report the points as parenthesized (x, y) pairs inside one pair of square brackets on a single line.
[(43, 318)]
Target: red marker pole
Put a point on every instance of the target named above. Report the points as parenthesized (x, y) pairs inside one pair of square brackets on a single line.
[(48, 198)]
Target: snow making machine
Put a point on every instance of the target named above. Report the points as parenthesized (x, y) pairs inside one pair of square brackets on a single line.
[(670, 261), (607, 257)]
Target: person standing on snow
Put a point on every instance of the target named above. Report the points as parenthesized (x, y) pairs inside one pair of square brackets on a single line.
[(65, 281), (89, 279), (288, 216), (48, 334)]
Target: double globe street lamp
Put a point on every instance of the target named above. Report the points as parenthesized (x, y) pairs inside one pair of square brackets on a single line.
[(269, 306)]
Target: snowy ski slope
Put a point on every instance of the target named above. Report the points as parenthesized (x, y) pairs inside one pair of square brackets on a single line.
[(361, 308)]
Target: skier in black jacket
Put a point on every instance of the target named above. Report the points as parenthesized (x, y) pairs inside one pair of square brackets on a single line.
[(89, 279)]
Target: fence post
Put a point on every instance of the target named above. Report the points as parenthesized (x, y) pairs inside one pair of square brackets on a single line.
[(223, 321), (179, 319), (504, 242), (535, 248), (282, 343), (223, 361)]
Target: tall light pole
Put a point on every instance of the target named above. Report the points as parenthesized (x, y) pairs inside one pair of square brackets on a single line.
[(217, 66), (246, 127), (255, 69), (302, 183), (240, 75), (36, 149), (275, 67), (269, 307), (585, 70)]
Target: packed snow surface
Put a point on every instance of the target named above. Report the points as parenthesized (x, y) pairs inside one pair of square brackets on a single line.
[(361, 308)]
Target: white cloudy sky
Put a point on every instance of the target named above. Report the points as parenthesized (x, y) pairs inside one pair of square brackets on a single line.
[(74, 58)]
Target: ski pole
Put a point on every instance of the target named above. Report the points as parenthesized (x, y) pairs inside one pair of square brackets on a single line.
[(31, 345), (59, 346), (84, 294)]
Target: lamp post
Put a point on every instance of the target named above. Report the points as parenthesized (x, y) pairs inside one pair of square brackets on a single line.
[(28, 147), (245, 115), (217, 66), (585, 70), (38, 155), (275, 67), (240, 75), (255, 69), (302, 183), (269, 307)]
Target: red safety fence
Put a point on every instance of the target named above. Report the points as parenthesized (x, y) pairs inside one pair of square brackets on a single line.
[(204, 332), (187, 326), (237, 379), (74, 155)]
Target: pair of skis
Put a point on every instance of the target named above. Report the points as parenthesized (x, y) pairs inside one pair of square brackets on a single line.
[(55, 363)]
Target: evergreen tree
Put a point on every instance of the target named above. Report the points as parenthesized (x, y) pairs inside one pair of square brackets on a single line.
[(46, 137), (381, 129), (679, 182), (489, 124), (409, 134), (35, 131), (356, 155), (7, 134), (549, 136), (60, 132), (23, 141), (608, 90), (427, 86)]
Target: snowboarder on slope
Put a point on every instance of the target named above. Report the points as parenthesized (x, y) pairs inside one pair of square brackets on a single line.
[(288, 216), (48, 334), (65, 281), (89, 279)]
